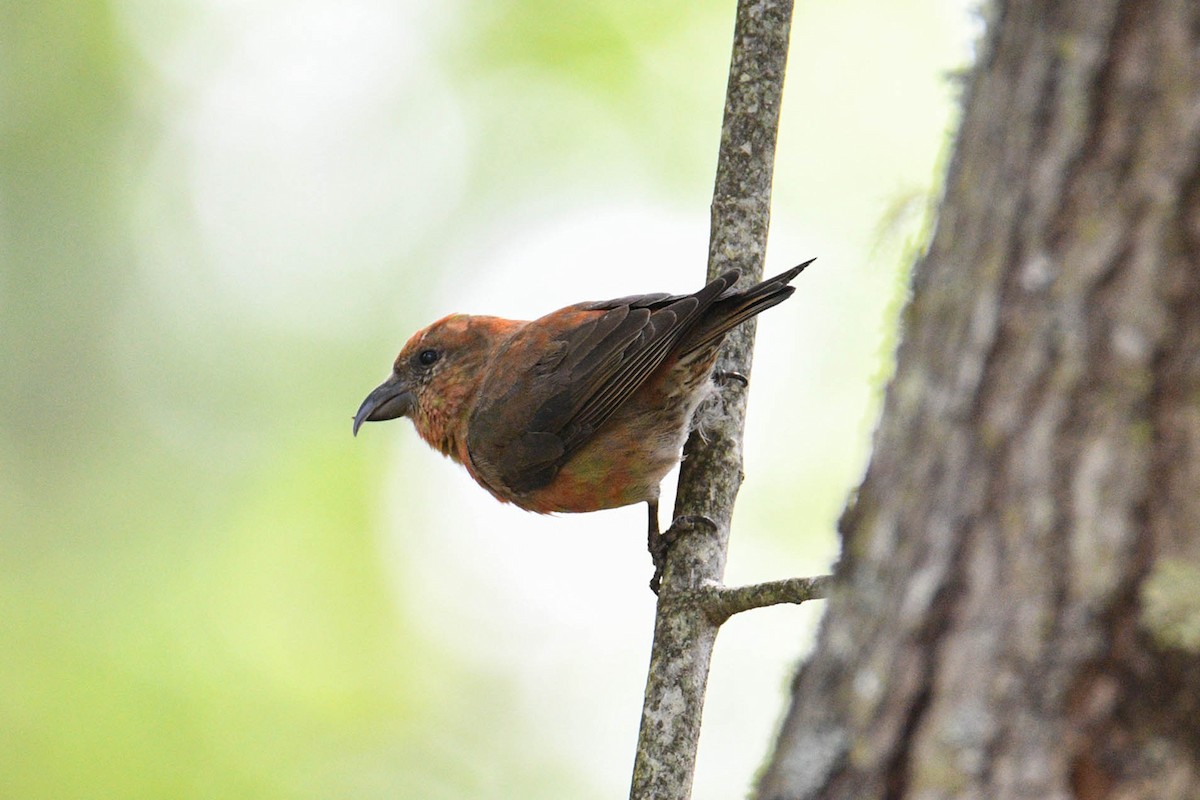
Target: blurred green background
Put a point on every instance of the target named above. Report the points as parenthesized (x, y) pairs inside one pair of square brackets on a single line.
[(218, 223)]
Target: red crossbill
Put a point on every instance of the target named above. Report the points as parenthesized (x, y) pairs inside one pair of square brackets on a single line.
[(584, 409)]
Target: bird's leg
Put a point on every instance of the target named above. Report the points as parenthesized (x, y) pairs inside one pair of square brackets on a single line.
[(657, 544), (660, 543)]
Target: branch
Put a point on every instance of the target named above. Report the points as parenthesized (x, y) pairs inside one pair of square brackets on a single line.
[(722, 602), (684, 631)]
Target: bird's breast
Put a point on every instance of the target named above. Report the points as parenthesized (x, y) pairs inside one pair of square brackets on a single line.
[(627, 459)]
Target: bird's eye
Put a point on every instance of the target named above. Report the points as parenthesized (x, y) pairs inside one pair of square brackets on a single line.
[(427, 357)]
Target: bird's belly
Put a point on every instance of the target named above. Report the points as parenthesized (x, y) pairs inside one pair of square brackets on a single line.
[(622, 465)]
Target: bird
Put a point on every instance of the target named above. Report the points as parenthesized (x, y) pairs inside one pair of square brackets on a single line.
[(583, 409)]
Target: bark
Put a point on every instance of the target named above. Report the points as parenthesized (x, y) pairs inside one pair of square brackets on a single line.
[(1017, 610), (685, 630)]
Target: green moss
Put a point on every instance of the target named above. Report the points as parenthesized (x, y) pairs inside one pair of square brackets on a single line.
[(1141, 433), (938, 775), (1171, 604)]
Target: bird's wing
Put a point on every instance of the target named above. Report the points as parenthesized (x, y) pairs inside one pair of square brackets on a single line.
[(567, 373)]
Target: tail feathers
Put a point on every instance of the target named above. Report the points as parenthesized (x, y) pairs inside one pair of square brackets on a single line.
[(735, 307)]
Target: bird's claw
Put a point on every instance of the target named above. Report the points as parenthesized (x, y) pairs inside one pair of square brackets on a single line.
[(658, 546), (728, 375), (660, 543)]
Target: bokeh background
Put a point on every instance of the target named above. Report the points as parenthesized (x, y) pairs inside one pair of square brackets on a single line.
[(219, 220)]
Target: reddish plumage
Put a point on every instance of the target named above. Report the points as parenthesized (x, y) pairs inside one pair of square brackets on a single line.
[(584, 409)]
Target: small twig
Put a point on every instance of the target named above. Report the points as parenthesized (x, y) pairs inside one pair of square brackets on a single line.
[(722, 602)]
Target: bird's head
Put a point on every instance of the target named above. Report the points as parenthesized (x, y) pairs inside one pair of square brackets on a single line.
[(436, 375)]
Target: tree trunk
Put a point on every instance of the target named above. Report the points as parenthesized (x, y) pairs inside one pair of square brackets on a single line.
[(1017, 613)]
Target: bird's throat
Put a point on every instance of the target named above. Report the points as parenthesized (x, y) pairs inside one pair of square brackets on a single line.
[(439, 432), (442, 422)]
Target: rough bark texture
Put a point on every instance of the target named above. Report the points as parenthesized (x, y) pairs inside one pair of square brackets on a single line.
[(684, 632), (1017, 613)]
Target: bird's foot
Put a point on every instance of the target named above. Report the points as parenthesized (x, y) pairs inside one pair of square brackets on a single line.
[(660, 543), (728, 376)]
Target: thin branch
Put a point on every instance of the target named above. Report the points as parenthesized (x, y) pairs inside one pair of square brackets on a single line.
[(711, 474), (722, 602)]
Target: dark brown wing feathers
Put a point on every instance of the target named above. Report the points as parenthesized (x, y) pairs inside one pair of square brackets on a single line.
[(735, 307), (593, 368)]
